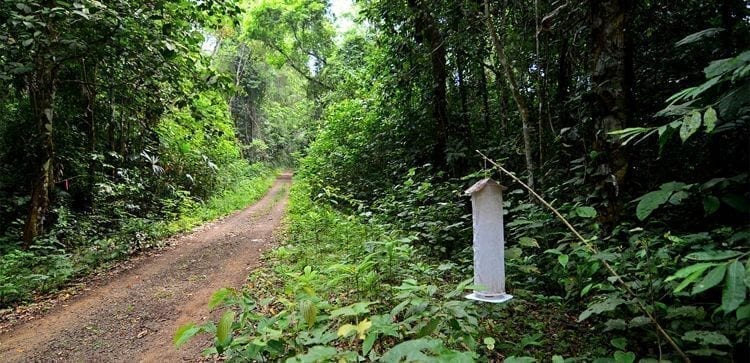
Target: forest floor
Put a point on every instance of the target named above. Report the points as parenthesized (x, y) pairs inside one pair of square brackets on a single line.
[(133, 314)]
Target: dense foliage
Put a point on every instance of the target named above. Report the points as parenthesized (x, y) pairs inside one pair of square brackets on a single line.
[(631, 117), (116, 130), (343, 289)]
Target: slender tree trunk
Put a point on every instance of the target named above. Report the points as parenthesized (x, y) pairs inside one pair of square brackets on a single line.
[(513, 85), (501, 102), (124, 131), (563, 84), (112, 122), (426, 27), (462, 85), (89, 95), (217, 46), (539, 86), (463, 125), (609, 101), (42, 87), (485, 97)]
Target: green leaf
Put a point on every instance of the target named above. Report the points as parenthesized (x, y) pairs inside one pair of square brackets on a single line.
[(678, 197), (81, 14), (709, 119), (353, 309), (624, 357), (689, 270), (600, 307), (619, 343), (514, 359), (705, 352), (368, 343), (428, 329), (690, 312), (23, 7), (489, 342), (674, 186), (563, 260), (737, 202), (412, 351), (317, 353), (528, 242), (615, 324), (705, 33), (689, 280), (734, 288), (712, 279), (649, 202), (224, 329), (184, 333), (721, 66), (711, 204), (690, 124), (309, 312), (513, 253), (713, 255), (557, 359), (586, 212), (743, 312), (639, 321), (665, 134), (219, 297), (706, 337)]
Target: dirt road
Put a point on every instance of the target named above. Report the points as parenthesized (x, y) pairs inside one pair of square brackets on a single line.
[(133, 316)]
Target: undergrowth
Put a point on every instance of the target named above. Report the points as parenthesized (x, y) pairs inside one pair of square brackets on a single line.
[(341, 289), (46, 266)]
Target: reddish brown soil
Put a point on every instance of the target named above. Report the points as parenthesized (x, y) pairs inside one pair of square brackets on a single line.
[(133, 315)]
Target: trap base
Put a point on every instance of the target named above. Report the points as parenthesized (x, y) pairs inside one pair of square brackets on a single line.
[(495, 299)]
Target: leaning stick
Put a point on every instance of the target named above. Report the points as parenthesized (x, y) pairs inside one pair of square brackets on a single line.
[(593, 249)]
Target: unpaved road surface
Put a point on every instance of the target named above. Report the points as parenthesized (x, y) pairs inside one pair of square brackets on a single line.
[(133, 316)]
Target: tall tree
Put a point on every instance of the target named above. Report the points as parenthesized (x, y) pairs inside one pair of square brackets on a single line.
[(510, 78), (427, 32), (609, 99)]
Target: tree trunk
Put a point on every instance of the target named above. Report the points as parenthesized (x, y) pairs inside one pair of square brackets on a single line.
[(563, 84), (462, 86), (42, 85), (426, 27), (88, 91), (501, 102), (463, 126), (485, 98), (540, 89), (513, 85), (609, 101)]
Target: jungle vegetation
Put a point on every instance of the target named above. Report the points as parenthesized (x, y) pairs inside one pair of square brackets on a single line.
[(629, 117)]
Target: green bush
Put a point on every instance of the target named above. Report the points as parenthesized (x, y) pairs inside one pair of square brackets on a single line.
[(24, 273)]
